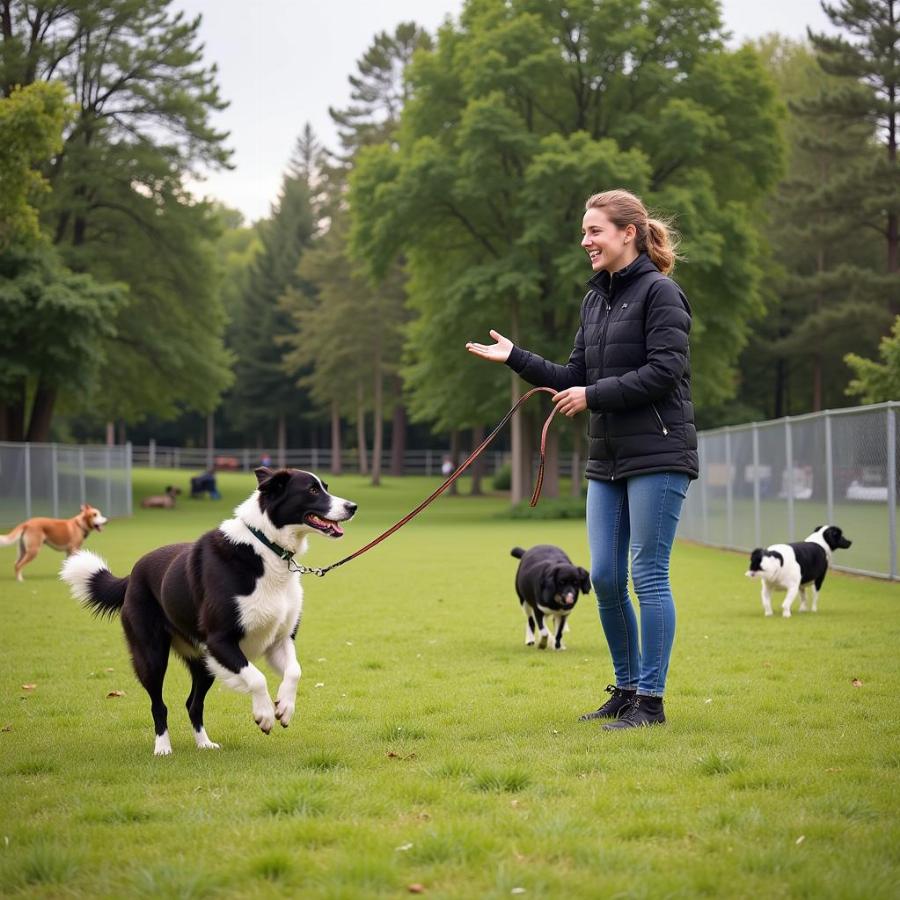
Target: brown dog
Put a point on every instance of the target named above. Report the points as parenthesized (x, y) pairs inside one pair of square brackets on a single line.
[(61, 534), (162, 501)]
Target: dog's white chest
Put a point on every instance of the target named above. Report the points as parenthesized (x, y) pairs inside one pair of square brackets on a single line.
[(270, 613)]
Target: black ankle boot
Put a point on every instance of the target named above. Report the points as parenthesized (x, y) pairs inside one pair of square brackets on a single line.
[(612, 709), (643, 710)]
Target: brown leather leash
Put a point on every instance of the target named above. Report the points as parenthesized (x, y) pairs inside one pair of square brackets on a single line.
[(312, 570)]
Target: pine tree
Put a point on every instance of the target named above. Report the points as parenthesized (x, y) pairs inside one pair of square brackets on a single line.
[(865, 58), (823, 297), (262, 393)]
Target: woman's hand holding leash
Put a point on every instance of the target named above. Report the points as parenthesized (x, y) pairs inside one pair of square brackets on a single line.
[(498, 352), (571, 401)]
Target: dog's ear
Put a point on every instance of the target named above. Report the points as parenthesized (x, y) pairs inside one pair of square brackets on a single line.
[(269, 482), (584, 580)]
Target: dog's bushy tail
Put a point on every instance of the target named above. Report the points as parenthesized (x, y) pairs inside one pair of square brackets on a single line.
[(12, 537), (517, 552), (93, 584)]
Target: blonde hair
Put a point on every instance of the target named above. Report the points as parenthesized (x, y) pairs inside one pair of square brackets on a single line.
[(655, 237)]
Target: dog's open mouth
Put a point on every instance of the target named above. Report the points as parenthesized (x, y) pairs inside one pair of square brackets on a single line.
[(326, 526)]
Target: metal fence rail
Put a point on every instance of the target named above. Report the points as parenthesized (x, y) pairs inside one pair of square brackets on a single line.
[(244, 459), (55, 479), (776, 481)]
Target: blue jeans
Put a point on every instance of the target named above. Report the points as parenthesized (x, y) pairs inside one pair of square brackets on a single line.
[(642, 510)]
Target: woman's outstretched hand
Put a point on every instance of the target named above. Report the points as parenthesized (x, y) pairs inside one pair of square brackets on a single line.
[(498, 352)]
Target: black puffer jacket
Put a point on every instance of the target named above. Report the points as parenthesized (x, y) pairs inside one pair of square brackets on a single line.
[(631, 352)]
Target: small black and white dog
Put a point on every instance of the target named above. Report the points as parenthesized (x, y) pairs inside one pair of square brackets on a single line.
[(794, 567), (548, 584), (222, 601)]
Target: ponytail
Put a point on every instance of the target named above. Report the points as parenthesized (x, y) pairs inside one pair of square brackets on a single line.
[(661, 245)]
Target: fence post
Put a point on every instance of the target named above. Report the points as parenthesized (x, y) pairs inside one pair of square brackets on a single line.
[(892, 486), (427, 462), (27, 480), (704, 518), (54, 479), (108, 450), (82, 481), (829, 471), (729, 499), (757, 507), (129, 509), (151, 454), (789, 459)]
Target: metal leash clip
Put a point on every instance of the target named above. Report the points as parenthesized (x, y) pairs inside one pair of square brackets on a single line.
[(305, 570)]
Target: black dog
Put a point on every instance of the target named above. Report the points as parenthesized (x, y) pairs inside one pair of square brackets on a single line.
[(222, 601), (795, 567), (548, 584)]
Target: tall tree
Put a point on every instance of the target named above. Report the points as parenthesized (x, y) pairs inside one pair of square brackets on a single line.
[(522, 111), (119, 209), (824, 295), (865, 57), (54, 321)]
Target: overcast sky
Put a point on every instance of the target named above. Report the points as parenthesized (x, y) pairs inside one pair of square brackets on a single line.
[(284, 62)]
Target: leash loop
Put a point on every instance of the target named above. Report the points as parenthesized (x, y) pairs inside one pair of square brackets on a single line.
[(539, 481)]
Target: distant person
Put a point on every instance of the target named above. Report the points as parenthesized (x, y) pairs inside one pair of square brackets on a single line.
[(205, 484), (265, 459), (630, 367), (447, 467)]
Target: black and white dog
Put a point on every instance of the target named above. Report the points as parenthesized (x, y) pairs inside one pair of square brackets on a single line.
[(222, 601), (794, 567), (548, 584)]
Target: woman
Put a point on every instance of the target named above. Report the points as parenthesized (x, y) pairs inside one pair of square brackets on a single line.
[(630, 368)]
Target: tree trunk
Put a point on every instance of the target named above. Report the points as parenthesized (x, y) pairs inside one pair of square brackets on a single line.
[(282, 441), (210, 440), (780, 378), (477, 468), (335, 439), (398, 438), (110, 434), (361, 432), (12, 415), (41, 414), (378, 424)]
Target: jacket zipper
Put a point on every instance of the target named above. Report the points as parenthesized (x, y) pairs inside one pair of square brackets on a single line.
[(609, 450), (662, 424)]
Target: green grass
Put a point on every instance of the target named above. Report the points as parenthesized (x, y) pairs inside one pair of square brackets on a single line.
[(431, 746)]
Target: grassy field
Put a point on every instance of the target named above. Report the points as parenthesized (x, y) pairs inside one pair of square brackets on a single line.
[(432, 748)]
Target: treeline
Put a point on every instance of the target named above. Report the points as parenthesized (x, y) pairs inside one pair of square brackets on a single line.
[(452, 205)]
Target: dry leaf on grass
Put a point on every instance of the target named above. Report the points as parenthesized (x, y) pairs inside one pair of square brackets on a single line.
[(856, 682), (115, 694), (28, 687), (6, 728), (416, 888)]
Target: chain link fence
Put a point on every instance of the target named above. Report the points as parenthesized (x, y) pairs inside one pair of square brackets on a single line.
[(55, 479), (776, 481)]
